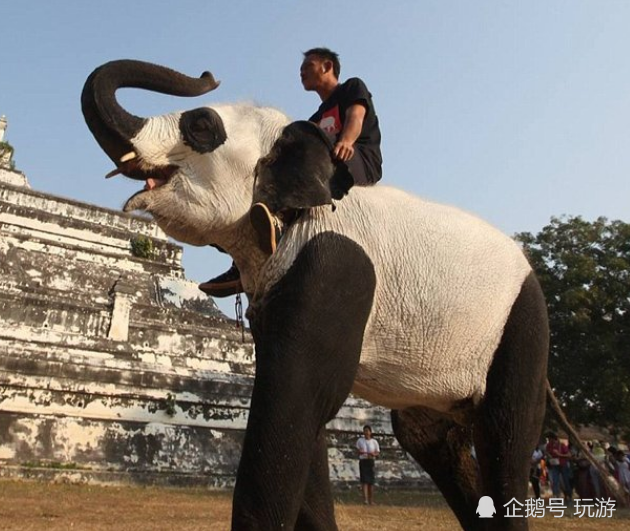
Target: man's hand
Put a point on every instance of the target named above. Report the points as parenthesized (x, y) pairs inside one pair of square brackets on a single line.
[(343, 150)]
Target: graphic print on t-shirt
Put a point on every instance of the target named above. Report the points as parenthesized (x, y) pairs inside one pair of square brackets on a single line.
[(330, 122)]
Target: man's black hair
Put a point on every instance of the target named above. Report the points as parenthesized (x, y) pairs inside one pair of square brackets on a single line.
[(327, 54)]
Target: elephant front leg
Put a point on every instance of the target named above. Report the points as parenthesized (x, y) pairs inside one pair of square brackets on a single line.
[(280, 469), (317, 510), (308, 334)]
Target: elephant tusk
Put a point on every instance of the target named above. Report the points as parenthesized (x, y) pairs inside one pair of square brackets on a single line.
[(123, 162), (113, 173), (129, 156)]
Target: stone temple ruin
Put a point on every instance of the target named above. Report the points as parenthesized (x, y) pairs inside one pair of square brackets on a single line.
[(115, 368)]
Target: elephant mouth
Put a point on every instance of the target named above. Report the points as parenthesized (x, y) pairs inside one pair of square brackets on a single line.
[(154, 177)]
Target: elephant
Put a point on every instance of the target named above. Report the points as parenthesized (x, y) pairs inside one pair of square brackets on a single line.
[(412, 305)]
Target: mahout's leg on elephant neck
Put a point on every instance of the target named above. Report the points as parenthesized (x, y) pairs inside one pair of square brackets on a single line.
[(443, 450), (308, 330), (508, 422), (240, 243)]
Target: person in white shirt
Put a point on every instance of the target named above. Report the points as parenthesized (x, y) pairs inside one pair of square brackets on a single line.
[(368, 449), (535, 469)]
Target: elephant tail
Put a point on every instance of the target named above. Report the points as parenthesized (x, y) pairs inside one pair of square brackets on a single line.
[(611, 484)]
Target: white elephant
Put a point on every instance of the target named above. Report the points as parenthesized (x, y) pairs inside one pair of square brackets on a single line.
[(412, 305)]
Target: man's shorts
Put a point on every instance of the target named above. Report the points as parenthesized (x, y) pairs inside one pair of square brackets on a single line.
[(366, 471)]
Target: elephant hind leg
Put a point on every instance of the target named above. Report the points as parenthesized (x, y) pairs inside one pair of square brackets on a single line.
[(508, 421), (443, 450)]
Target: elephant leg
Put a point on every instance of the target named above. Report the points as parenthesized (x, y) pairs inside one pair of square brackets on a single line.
[(509, 420), (317, 510), (443, 450), (308, 332)]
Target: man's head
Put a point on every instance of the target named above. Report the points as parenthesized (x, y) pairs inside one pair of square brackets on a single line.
[(620, 456), (367, 432), (552, 436), (320, 69)]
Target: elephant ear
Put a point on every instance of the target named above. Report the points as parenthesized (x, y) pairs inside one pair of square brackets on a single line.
[(299, 171)]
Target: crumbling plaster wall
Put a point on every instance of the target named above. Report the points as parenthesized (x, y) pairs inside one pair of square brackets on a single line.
[(117, 368)]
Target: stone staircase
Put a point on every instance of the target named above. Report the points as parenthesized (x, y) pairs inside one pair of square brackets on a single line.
[(115, 368)]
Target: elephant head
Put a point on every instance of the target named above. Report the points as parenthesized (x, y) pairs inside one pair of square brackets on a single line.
[(300, 170), (197, 165)]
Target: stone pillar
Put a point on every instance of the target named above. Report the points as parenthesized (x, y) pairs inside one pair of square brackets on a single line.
[(6, 153), (3, 126), (124, 296)]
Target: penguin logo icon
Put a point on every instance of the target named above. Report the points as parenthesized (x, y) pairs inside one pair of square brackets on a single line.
[(485, 509)]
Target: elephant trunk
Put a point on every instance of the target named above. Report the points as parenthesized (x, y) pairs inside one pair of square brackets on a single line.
[(114, 127)]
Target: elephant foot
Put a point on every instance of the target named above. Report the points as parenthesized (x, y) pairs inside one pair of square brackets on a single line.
[(225, 285)]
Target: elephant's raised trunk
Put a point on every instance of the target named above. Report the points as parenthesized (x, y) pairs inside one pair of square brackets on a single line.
[(114, 127)]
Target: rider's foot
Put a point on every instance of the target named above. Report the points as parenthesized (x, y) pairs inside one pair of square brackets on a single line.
[(229, 283), (268, 227)]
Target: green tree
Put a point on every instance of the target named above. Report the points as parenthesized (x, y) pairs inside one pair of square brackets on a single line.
[(142, 247), (6, 154), (584, 270)]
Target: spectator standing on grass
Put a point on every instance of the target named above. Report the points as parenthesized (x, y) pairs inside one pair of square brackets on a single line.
[(623, 472), (611, 459), (558, 457), (535, 470), (583, 477), (369, 450), (600, 456)]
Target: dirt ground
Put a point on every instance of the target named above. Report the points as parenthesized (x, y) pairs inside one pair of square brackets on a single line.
[(31, 506)]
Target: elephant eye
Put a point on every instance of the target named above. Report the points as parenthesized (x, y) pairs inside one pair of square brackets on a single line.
[(202, 129), (198, 126)]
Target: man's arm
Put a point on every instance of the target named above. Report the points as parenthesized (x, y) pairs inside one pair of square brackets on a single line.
[(377, 449), (344, 148)]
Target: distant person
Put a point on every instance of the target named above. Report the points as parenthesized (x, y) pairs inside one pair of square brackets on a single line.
[(347, 116), (600, 456), (611, 459), (558, 457), (535, 471), (583, 481), (369, 450), (622, 466)]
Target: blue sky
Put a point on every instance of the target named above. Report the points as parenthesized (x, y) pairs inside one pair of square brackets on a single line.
[(516, 111)]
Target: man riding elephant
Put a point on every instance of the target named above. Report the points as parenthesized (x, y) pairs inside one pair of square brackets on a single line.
[(347, 117)]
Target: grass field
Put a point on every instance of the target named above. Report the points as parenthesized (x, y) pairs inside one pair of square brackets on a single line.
[(30, 506)]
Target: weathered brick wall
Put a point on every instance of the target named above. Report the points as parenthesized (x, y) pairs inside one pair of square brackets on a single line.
[(117, 368)]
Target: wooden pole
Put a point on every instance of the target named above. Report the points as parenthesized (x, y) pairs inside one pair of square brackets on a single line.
[(611, 484)]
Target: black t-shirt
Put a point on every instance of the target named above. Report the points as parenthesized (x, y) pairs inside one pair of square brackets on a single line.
[(331, 116)]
